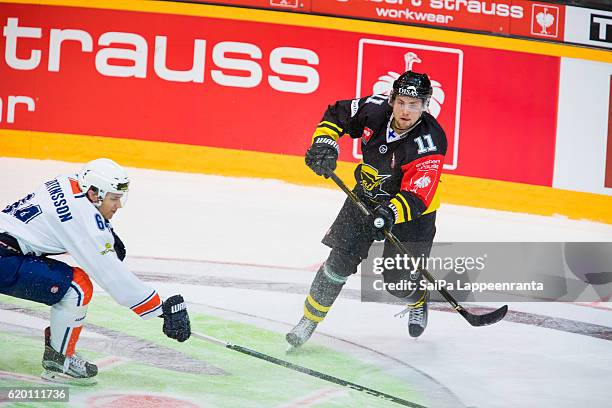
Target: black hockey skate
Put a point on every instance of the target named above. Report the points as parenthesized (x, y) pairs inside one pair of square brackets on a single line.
[(301, 333), (63, 369), (417, 318)]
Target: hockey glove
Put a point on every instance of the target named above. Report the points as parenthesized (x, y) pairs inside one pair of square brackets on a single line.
[(119, 247), (322, 155), (384, 219), (176, 319)]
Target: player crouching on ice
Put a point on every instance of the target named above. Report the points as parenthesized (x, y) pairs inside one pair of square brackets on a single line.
[(71, 214), (403, 152)]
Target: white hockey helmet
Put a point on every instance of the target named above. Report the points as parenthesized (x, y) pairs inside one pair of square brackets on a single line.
[(105, 176)]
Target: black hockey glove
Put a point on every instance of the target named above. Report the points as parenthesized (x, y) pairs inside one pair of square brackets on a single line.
[(176, 319), (383, 219), (118, 247), (322, 155)]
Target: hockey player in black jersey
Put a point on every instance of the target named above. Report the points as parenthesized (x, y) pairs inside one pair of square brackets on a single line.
[(403, 153)]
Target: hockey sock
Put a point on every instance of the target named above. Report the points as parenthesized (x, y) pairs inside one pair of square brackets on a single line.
[(68, 315), (323, 292)]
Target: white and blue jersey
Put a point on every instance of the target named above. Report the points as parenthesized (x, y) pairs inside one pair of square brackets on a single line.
[(58, 218)]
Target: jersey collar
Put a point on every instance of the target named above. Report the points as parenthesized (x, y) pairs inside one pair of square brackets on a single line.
[(392, 136)]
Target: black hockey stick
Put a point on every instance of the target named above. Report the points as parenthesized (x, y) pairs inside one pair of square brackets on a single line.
[(475, 320), (305, 370)]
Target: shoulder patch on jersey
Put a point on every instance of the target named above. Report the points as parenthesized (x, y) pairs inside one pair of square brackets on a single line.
[(76, 189), (366, 135), (74, 185)]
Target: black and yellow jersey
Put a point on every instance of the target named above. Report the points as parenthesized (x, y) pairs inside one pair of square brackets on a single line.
[(401, 170)]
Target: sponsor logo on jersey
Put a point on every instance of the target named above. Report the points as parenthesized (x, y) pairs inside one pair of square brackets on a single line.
[(366, 135), (382, 149), (423, 182), (54, 289), (372, 182), (107, 248)]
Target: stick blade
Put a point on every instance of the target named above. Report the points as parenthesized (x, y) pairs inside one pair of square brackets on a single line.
[(485, 319)]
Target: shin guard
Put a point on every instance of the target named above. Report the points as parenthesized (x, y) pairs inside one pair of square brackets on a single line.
[(324, 290)]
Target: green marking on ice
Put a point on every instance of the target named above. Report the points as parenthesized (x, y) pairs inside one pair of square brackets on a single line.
[(248, 382)]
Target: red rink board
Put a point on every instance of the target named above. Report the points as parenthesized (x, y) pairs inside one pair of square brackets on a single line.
[(499, 107)]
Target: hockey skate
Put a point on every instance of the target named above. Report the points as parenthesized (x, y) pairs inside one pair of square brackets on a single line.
[(417, 316), (300, 333), (67, 370)]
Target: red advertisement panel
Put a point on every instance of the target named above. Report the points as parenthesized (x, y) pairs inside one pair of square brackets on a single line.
[(484, 15), (380, 62), (263, 87), (519, 17), (524, 18)]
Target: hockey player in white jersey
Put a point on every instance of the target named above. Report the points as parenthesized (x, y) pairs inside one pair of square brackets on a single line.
[(71, 214)]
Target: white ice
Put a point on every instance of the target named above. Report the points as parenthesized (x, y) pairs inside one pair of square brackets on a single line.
[(267, 230)]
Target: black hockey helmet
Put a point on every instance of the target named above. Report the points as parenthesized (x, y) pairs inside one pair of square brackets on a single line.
[(412, 84)]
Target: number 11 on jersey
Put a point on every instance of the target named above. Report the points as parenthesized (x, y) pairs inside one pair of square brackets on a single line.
[(422, 147)]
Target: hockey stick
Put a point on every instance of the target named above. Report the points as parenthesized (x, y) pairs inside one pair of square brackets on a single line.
[(305, 370), (475, 320)]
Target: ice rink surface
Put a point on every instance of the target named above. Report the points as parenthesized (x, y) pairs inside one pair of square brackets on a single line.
[(243, 253)]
